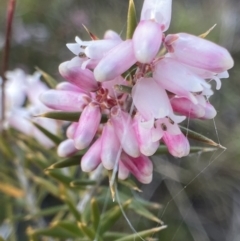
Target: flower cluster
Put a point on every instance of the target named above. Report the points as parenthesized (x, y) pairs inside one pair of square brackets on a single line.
[(22, 93), (138, 86)]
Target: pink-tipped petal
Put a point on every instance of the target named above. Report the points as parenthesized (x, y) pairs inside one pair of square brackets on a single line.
[(159, 10), (83, 78), (110, 146), (147, 40), (186, 107), (87, 127), (65, 100), (66, 148), (177, 145), (115, 62), (123, 126), (141, 167), (92, 158), (199, 52)]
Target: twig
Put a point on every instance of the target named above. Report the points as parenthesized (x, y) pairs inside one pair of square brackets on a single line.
[(6, 50)]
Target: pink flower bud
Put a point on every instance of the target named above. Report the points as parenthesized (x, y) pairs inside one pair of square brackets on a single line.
[(158, 10), (92, 158), (199, 52), (147, 40), (83, 78), (87, 127), (110, 146), (115, 62), (141, 167), (66, 148), (65, 100), (177, 145), (123, 126)]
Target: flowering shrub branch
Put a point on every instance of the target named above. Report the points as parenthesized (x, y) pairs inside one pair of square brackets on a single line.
[(143, 94)]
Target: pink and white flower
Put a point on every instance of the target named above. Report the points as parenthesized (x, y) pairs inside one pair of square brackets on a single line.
[(138, 91)]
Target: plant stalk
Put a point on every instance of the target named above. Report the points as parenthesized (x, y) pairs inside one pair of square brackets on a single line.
[(5, 58)]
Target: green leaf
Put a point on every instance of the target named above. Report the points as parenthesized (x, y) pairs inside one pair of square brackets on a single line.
[(130, 184), (68, 226), (87, 231), (57, 175), (131, 19), (111, 216), (56, 232), (82, 183), (48, 78), (140, 235), (72, 161), (62, 115), (72, 208), (139, 209), (115, 235), (193, 149), (95, 214), (49, 134), (199, 137), (5, 148), (46, 184), (67, 116), (1, 239), (46, 212)]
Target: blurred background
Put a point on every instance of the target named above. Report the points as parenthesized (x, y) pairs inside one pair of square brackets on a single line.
[(200, 194)]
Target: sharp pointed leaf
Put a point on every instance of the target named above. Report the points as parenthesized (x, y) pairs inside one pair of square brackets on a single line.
[(72, 161), (111, 216), (82, 183), (140, 235), (199, 137), (71, 227), (193, 149), (49, 134), (95, 214), (58, 175), (48, 78), (131, 19)]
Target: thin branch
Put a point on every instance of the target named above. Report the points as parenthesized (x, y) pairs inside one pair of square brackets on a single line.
[(6, 50)]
